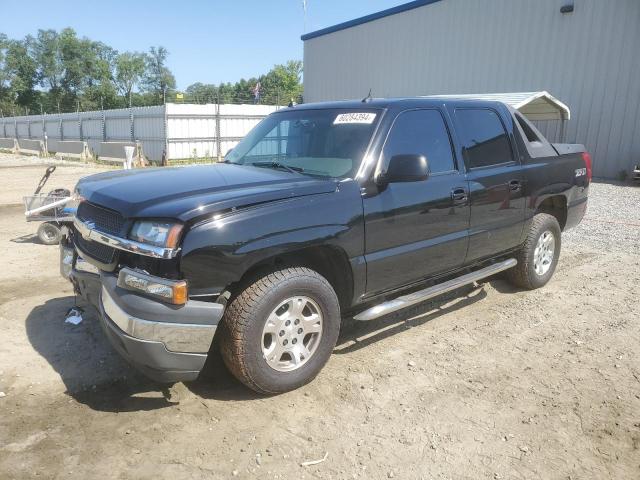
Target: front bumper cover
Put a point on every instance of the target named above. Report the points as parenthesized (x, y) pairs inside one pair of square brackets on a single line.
[(167, 343)]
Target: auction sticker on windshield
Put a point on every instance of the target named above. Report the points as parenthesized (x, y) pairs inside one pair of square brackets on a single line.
[(356, 117)]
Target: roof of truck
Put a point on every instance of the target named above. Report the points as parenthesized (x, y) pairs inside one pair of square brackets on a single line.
[(534, 105), (379, 102)]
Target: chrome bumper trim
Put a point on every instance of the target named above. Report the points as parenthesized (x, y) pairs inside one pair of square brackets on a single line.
[(83, 266), (176, 337), (122, 243)]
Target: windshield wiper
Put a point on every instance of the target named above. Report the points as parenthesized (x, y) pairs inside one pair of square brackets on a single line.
[(274, 164)]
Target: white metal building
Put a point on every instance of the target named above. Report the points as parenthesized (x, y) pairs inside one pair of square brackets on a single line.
[(586, 53)]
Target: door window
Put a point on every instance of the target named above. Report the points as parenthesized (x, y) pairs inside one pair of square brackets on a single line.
[(484, 138), (421, 132)]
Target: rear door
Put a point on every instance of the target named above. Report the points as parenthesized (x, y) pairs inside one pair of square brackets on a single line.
[(496, 181), (416, 229)]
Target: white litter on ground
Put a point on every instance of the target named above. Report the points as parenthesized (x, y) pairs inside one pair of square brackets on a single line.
[(74, 317)]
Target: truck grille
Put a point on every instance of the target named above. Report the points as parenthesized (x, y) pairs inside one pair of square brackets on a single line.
[(105, 220), (102, 253)]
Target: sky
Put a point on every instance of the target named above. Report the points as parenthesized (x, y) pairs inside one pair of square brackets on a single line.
[(208, 41)]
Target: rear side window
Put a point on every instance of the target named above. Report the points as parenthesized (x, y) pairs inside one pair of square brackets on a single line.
[(526, 128), (483, 137), (421, 132)]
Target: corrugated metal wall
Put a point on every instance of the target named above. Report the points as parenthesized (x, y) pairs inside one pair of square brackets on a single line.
[(589, 59), (191, 129)]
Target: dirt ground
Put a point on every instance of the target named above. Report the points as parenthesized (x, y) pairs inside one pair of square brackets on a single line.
[(491, 382)]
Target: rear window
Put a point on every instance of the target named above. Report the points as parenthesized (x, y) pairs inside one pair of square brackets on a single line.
[(484, 137)]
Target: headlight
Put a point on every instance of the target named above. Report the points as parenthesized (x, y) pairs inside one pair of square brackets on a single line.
[(171, 291), (158, 233)]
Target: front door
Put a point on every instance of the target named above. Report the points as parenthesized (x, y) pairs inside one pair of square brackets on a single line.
[(417, 229)]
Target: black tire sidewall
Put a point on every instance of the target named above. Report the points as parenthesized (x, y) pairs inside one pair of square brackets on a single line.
[(551, 224), (46, 239), (257, 367)]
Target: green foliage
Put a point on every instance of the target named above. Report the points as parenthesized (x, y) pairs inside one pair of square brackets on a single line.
[(279, 86), (59, 71), (158, 79), (283, 83), (129, 69)]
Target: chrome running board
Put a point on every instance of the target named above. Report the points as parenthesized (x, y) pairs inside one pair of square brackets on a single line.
[(420, 296)]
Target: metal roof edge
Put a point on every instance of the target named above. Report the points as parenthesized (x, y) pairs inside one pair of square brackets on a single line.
[(517, 100), (368, 18)]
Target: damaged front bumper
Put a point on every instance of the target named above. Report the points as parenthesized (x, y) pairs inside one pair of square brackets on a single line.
[(168, 343)]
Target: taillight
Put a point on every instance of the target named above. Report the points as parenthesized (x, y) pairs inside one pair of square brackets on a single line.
[(587, 163)]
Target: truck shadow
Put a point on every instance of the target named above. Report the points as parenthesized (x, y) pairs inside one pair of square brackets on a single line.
[(96, 376), (92, 372), (355, 335), (215, 381)]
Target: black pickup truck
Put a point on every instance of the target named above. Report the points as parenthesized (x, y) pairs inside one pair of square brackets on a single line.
[(357, 208)]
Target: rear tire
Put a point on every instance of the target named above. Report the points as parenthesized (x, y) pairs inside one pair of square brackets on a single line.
[(49, 233), (538, 256), (279, 331)]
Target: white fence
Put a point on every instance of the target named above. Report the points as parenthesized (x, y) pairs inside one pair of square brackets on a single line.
[(176, 131)]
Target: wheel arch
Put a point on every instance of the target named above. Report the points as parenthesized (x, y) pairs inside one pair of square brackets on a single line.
[(555, 205), (329, 261)]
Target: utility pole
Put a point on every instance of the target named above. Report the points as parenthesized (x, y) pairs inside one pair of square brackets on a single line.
[(44, 128), (304, 9)]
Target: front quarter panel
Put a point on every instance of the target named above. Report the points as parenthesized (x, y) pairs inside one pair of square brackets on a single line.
[(218, 252)]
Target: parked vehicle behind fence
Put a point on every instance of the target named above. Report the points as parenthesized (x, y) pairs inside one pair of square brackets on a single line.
[(322, 211)]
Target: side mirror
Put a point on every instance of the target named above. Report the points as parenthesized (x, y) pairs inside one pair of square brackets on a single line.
[(405, 168)]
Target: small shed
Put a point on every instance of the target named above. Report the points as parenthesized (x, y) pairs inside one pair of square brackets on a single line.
[(547, 112)]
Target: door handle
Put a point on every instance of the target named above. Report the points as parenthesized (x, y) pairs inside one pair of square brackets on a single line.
[(515, 185), (459, 196)]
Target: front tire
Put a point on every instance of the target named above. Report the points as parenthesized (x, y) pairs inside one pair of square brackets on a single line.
[(538, 256), (280, 331)]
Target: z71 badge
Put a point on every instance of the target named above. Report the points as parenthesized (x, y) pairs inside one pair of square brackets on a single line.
[(581, 172)]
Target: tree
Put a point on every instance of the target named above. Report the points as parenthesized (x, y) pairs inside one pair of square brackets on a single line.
[(48, 57), (5, 83), (99, 88), (282, 83), (130, 67), (158, 79), (201, 93), (4, 44), (20, 70)]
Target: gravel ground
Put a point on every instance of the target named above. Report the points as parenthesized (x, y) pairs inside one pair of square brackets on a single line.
[(489, 383), (612, 221)]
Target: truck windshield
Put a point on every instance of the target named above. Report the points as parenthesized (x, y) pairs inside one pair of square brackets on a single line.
[(327, 142)]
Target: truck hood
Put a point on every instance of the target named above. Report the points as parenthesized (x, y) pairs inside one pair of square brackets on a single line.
[(186, 193)]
